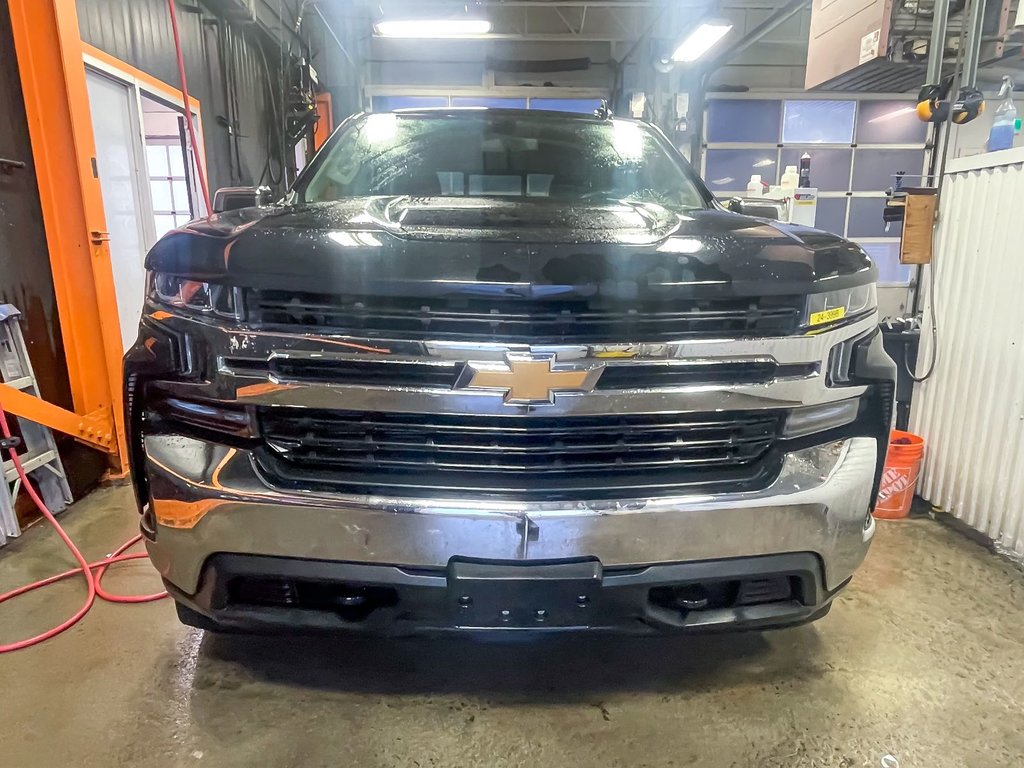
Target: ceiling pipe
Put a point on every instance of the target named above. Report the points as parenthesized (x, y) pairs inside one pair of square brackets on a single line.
[(937, 44), (330, 31), (769, 25), (699, 94)]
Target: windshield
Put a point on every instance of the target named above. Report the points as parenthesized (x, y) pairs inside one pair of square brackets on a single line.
[(485, 154)]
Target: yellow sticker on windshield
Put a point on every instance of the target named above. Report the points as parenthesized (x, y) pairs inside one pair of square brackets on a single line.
[(828, 315)]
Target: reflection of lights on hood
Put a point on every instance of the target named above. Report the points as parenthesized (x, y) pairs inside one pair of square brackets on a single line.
[(628, 217), (723, 180), (628, 139), (680, 245), (355, 239), (381, 128), (764, 163)]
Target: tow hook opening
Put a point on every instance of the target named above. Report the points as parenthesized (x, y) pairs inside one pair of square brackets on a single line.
[(711, 595), (351, 602)]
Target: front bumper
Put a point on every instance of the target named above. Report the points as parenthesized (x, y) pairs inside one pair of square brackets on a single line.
[(268, 594), (207, 496), (207, 500)]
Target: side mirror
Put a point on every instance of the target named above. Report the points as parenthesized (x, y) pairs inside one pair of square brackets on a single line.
[(233, 198), (760, 207)]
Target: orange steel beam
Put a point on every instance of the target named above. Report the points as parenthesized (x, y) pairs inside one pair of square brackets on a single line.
[(92, 429), (49, 50)]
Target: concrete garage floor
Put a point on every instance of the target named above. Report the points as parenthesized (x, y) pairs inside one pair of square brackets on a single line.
[(922, 658)]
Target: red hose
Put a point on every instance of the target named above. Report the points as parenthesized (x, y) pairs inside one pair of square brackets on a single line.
[(188, 109), (92, 580)]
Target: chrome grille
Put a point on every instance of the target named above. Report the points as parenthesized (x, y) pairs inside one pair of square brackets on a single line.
[(525, 456), (507, 320), (444, 374)]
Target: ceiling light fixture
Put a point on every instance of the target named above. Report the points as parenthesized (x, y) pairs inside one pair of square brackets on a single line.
[(892, 115), (700, 41), (433, 28)]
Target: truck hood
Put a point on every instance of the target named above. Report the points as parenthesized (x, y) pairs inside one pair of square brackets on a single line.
[(406, 246)]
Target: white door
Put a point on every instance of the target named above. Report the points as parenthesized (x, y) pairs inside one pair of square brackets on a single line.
[(123, 179)]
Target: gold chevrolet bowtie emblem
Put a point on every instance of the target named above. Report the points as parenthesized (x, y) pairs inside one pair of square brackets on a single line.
[(531, 380)]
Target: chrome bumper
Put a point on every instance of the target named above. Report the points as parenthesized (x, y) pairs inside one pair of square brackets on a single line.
[(207, 499)]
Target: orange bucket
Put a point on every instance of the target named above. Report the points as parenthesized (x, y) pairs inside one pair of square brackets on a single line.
[(899, 479)]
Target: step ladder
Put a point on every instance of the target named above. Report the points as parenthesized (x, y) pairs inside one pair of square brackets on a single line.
[(38, 451)]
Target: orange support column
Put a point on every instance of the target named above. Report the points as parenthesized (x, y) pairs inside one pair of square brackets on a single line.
[(325, 125), (49, 50)]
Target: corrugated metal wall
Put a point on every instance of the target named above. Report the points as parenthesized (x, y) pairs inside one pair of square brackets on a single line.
[(139, 33), (971, 412)]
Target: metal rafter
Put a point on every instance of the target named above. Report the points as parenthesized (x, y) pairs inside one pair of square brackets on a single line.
[(568, 24)]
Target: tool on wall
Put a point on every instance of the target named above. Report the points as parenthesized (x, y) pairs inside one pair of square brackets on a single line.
[(8, 166), (895, 201)]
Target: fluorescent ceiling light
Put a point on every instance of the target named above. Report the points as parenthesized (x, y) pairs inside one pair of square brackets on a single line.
[(700, 41), (433, 27), (892, 115)]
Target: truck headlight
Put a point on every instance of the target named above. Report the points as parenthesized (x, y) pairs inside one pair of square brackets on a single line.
[(837, 306), (194, 295)]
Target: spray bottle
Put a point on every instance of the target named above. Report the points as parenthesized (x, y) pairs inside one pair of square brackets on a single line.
[(1001, 135), (805, 170)]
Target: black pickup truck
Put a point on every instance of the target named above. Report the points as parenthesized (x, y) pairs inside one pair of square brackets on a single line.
[(505, 370)]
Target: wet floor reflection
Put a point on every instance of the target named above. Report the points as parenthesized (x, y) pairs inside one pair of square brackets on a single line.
[(553, 666)]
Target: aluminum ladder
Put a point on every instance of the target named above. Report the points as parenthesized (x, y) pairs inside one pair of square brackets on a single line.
[(38, 451)]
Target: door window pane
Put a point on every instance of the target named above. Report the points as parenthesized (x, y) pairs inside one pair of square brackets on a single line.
[(830, 168), (388, 103), (887, 257), (747, 120), (874, 170), (156, 161), (729, 170), (162, 197), (889, 122), (164, 224), (484, 101), (830, 215), (177, 157), (180, 196), (813, 121), (120, 160), (585, 106), (866, 219)]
